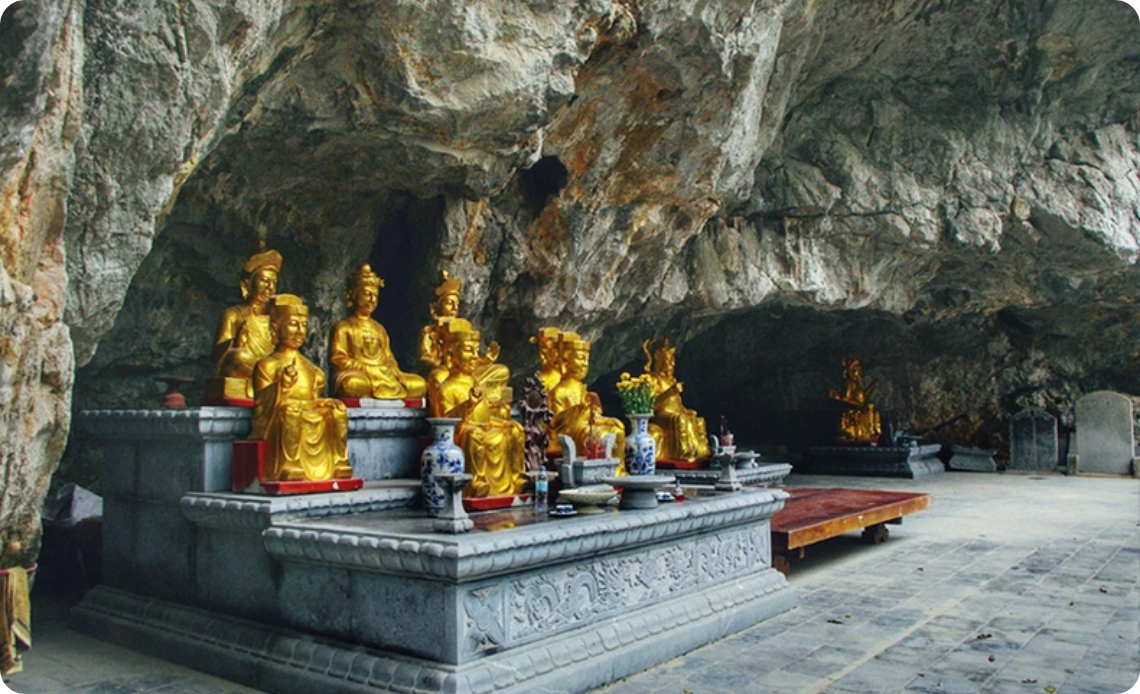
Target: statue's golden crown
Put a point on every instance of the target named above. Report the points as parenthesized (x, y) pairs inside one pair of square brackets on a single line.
[(288, 304), (459, 329), (546, 335), (450, 285), (365, 277), (262, 259), (572, 341)]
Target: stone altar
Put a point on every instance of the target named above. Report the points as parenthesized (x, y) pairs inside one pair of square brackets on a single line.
[(155, 457), (876, 461), (354, 592)]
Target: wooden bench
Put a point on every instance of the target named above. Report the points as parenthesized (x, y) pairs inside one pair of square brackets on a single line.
[(813, 515)]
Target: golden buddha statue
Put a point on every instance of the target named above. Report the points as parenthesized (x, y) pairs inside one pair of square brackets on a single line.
[(433, 358), (489, 374), (549, 357), (860, 422), (306, 435), (680, 433), (443, 309), (244, 334), (572, 404), (361, 358), (493, 444)]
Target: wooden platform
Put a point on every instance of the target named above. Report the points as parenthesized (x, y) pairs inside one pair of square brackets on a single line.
[(813, 515)]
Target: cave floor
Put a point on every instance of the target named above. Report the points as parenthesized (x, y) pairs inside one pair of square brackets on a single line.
[(1008, 583)]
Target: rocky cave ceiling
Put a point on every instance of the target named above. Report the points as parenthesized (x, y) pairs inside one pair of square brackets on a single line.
[(948, 189)]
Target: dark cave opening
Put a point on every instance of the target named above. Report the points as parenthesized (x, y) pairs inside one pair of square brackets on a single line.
[(542, 182), (406, 245)]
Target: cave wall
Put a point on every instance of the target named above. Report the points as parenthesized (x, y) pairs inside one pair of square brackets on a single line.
[(950, 189)]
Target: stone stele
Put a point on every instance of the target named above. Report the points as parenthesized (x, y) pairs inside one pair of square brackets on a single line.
[(1033, 441), (1106, 443)]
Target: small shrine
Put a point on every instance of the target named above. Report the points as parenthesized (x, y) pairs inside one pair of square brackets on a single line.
[(860, 447)]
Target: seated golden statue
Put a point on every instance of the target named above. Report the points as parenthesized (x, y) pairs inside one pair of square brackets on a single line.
[(361, 357), (860, 423), (571, 403), (680, 433), (550, 363), (493, 444), (306, 435), (244, 333), (433, 358), (443, 309)]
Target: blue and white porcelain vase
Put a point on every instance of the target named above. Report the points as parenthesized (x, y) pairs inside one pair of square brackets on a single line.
[(441, 457), (640, 448)]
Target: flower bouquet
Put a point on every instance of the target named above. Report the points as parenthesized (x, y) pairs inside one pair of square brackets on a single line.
[(636, 393)]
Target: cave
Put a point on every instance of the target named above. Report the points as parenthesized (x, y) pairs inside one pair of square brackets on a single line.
[(948, 190)]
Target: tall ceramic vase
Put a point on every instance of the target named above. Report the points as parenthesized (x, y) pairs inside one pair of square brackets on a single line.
[(441, 457), (640, 448)]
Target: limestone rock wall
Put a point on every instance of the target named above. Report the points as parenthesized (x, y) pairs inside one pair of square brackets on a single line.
[(40, 105), (950, 189)]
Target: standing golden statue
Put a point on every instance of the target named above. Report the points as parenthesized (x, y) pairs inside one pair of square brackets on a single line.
[(860, 422), (306, 435), (244, 334), (572, 404), (494, 445), (362, 362), (680, 433)]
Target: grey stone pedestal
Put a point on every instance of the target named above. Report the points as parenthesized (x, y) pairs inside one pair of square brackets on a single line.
[(972, 459), (876, 461), (376, 602)]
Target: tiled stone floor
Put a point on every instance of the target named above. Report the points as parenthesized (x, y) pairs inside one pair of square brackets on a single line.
[(1008, 584)]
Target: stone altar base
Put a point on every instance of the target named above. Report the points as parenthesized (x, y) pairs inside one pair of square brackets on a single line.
[(972, 459), (319, 601), (876, 461)]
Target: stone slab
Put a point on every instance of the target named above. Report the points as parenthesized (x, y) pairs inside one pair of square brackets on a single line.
[(967, 459), (1033, 441), (876, 461), (1106, 442)]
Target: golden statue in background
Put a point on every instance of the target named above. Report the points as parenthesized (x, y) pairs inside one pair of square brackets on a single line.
[(572, 404), (475, 392), (362, 362), (860, 422), (306, 435), (244, 333), (680, 433)]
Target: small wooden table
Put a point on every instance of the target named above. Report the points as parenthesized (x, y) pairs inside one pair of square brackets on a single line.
[(812, 515)]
